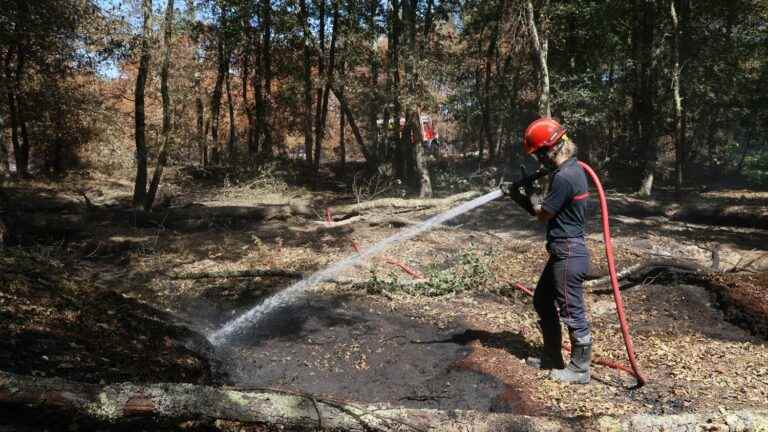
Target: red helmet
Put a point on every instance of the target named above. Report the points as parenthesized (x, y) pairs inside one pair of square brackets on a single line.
[(542, 133)]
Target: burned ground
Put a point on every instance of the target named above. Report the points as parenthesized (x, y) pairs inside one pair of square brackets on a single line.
[(103, 306)]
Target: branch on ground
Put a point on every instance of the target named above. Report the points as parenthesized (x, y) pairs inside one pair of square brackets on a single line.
[(401, 203), (642, 270)]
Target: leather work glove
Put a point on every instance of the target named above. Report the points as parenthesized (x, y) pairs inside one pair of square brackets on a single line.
[(527, 201)]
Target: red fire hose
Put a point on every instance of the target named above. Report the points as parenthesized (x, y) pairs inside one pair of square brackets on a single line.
[(612, 272), (614, 283)]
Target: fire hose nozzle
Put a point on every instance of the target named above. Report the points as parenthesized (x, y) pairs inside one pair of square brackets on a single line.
[(526, 181)]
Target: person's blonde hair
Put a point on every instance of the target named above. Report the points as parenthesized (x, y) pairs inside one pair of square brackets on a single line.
[(568, 148)]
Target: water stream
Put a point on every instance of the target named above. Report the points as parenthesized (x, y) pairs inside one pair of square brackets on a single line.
[(297, 290)]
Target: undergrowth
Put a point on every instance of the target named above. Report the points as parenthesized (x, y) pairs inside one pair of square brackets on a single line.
[(471, 272)]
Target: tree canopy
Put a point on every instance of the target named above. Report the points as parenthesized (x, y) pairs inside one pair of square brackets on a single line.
[(672, 90)]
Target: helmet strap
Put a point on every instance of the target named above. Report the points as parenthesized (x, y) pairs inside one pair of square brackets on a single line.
[(550, 155)]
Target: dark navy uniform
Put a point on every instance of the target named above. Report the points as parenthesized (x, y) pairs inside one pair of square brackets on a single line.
[(560, 286)]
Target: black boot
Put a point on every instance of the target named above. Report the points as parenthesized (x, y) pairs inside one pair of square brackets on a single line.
[(577, 370), (552, 354)]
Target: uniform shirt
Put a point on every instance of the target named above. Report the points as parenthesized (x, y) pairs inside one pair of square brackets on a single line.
[(567, 200)]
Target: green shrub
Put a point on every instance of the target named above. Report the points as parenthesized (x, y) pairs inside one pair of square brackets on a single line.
[(472, 272)]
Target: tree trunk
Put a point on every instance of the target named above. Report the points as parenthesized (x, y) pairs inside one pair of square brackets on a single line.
[(486, 110), (473, 127), (245, 75), (342, 126), (140, 186), (4, 165), (425, 184), (223, 55), (540, 50), (201, 134), (647, 93), (258, 94), (400, 154), (192, 43), (744, 151), (11, 106), (413, 138), (22, 158), (266, 145), (428, 21), (232, 142), (320, 73), (342, 143), (320, 133), (373, 95), (679, 139), (351, 120), (307, 78), (163, 155)]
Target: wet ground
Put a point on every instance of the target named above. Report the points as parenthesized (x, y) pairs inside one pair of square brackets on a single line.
[(345, 349)]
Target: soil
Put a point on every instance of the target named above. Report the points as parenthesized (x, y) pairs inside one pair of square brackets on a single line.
[(55, 324), (101, 306)]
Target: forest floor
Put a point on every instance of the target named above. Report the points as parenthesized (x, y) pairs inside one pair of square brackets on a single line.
[(105, 304)]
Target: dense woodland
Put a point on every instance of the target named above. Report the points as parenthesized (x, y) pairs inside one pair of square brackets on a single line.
[(667, 90)]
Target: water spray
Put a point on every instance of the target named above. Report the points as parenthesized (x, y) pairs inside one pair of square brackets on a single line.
[(297, 290)]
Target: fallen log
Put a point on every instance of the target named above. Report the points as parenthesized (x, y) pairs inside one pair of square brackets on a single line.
[(219, 407), (400, 203), (191, 217), (642, 270), (226, 408), (747, 216), (33, 224)]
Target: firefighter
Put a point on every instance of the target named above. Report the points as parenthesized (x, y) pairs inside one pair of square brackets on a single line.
[(559, 294)]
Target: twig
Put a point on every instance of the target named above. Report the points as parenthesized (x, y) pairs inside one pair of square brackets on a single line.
[(748, 264), (317, 410)]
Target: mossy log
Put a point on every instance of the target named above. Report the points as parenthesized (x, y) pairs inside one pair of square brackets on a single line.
[(221, 407)]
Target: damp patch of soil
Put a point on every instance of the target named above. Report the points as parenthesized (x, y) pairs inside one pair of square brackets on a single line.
[(353, 347), (56, 324)]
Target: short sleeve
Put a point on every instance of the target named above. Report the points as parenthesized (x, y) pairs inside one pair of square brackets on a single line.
[(560, 193)]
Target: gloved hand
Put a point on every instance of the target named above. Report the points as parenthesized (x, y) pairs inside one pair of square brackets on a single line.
[(524, 200)]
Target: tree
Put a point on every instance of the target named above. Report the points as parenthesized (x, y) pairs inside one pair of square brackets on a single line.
[(307, 79), (223, 55), (679, 132), (540, 44), (266, 49), (3, 149), (140, 186), (166, 133)]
